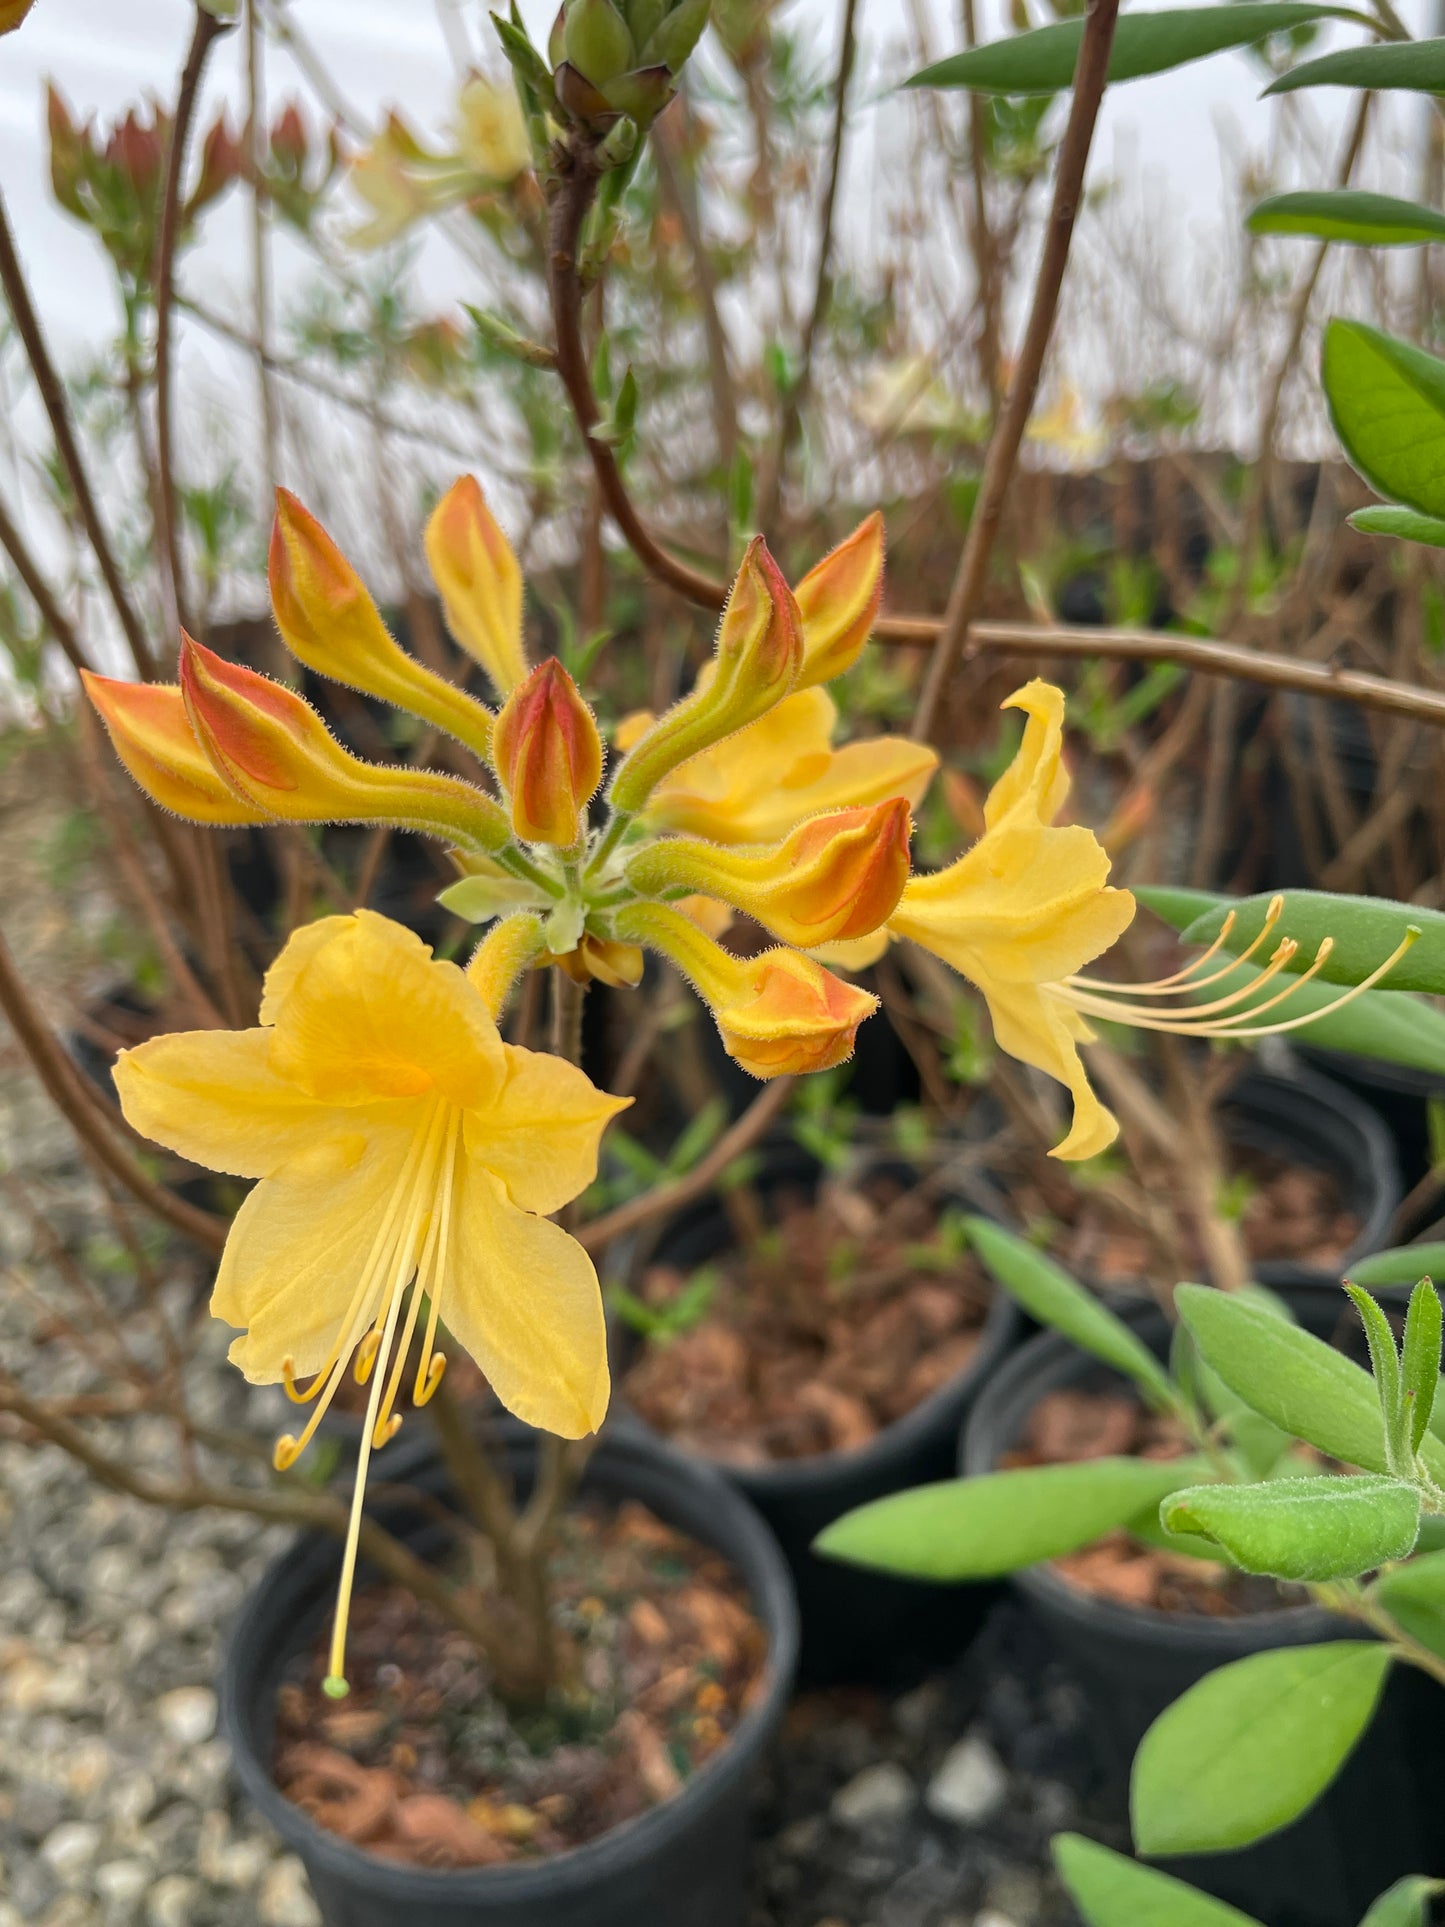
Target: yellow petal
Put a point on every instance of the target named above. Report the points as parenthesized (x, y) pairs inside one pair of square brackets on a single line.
[(215, 1097), (1037, 773), (1039, 1030), (371, 1014), (480, 580), (539, 1134), (299, 1246), (522, 1297), (1025, 905), (852, 953), (300, 947)]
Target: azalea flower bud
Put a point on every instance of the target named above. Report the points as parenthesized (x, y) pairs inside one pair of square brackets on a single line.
[(328, 621), (758, 655), (548, 755), (274, 750), (834, 878), (480, 582), (838, 603), (596, 41), (778, 1012), (675, 36), (153, 738)]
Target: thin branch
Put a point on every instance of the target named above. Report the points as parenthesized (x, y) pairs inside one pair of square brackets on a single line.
[(1090, 78), (260, 255), (52, 395), (797, 396), (740, 1137), (40, 592), (86, 1115), (208, 26)]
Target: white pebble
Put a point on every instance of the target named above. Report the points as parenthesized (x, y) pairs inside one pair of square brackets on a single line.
[(122, 1881), (188, 1714), (69, 1849), (171, 1901), (876, 1796), (970, 1784), (285, 1898)]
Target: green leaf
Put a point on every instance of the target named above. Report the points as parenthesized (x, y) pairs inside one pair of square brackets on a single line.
[(1403, 1265), (1407, 1904), (1416, 65), (1252, 1745), (1420, 1359), (1385, 1360), (1111, 1890), (1387, 402), (1364, 931), (1348, 214), (1297, 1382), (1406, 525), (981, 1528), (1303, 1529), (1414, 1597), (1043, 61), (1051, 1295)]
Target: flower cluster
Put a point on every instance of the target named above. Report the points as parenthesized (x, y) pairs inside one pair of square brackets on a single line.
[(810, 841)]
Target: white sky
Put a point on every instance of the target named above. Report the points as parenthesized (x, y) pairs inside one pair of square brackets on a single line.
[(385, 52)]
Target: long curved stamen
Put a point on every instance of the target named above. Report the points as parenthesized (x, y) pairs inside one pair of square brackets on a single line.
[(422, 1191), (426, 1283), (1241, 1023), (1184, 982), (430, 1366), (1142, 1017), (358, 1314)]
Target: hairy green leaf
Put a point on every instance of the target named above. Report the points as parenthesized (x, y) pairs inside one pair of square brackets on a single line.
[(981, 1528), (1407, 1904), (1252, 1745), (1418, 66), (1420, 1359), (1364, 931), (1303, 1529), (1406, 525), (1111, 1890), (1401, 1265), (1414, 1597), (1348, 214)]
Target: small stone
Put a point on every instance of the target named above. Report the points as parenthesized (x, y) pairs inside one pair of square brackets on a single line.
[(878, 1796), (915, 1712), (992, 1918), (285, 1899), (187, 1714), (171, 1901), (803, 1838), (122, 1882), (69, 1849), (969, 1785)]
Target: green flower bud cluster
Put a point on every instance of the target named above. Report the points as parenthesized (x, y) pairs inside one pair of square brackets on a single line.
[(607, 61)]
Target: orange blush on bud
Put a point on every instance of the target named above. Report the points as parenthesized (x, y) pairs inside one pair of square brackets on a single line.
[(548, 754)]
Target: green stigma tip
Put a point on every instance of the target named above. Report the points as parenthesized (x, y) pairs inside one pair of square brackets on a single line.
[(334, 1687)]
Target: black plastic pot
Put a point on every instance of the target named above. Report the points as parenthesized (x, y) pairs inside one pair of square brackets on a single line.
[(1381, 1817), (857, 1626), (1298, 1114), (678, 1865), (1398, 1095)]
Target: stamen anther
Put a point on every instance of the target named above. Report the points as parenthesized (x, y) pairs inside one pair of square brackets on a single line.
[(386, 1431), (424, 1388), (285, 1452), (366, 1355)]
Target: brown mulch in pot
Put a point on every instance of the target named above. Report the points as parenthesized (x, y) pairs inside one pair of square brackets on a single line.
[(844, 1316), (1069, 1426), (422, 1763)]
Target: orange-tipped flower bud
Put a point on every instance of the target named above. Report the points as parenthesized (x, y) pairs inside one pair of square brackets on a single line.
[(328, 621), (275, 751), (480, 582), (836, 877), (758, 655), (153, 738), (778, 1012), (838, 602), (548, 755)]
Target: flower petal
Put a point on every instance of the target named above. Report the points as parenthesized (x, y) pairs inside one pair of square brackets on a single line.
[(371, 1014), (300, 1243), (1037, 1029), (215, 1097), (539, 1134), (1037, 774), (522, 1297)]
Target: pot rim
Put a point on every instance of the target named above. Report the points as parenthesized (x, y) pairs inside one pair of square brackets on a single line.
[(312, 1567)]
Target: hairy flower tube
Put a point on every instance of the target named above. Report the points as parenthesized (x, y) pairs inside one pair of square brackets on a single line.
[(406, 1159), (556, 872)]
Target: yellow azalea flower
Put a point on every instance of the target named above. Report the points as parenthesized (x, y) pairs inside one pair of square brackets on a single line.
[(756, 786), (407, 1158), (1025, 909)]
